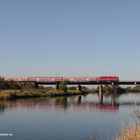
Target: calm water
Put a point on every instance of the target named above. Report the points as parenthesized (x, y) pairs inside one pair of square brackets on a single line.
[(71, 118)]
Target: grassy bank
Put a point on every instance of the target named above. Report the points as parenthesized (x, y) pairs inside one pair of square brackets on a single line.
[(12, 89), (132, 133), (34, 93)]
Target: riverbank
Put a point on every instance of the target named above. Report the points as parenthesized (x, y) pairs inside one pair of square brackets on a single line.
[(34, 93), (44, 92)]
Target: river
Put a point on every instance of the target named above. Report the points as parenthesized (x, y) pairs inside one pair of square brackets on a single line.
[(67, 118)]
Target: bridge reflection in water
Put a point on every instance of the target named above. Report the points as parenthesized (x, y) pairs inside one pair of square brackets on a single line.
[(72, 103)]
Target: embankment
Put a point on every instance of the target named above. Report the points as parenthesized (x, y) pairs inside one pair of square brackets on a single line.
[(34, 93)]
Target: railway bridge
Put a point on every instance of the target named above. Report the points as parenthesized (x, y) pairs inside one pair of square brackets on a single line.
[(100, 81)]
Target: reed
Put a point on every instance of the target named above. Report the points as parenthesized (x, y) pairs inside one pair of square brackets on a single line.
[(132, 133)]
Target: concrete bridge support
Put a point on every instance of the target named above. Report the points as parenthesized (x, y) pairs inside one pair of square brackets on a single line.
[(115, 89), (114, 94), (36, 85), (79, 88), (57, 86), (101, 94)]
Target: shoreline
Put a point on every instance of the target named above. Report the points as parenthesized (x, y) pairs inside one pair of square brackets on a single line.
[(42, 92), (37, 93)]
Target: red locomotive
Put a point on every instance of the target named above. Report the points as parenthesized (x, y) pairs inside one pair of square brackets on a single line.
[(108, 78)]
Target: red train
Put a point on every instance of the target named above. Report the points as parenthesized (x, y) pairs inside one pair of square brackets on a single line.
[(51, 79), (109, 78)]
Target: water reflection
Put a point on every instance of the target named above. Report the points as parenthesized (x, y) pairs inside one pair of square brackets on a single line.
[(2, 106), (73, 117), (72, 103)]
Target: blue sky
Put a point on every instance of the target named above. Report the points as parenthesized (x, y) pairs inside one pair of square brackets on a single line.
[(70, 37)]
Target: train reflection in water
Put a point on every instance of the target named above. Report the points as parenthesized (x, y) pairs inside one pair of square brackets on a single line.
[(59, 104)]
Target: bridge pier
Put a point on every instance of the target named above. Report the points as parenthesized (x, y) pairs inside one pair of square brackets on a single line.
[(79, 88), (101, 94), (114, 94), (36, 85), (57, 85), (115, 89)]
